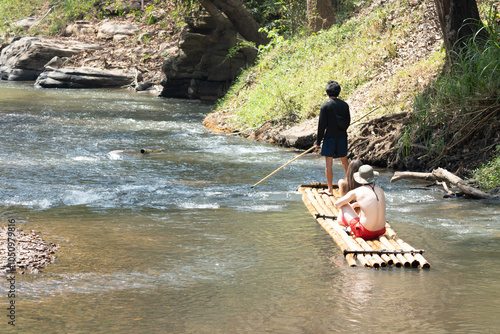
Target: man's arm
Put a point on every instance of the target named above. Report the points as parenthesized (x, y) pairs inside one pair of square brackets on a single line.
[(322, 124), (351, 195)]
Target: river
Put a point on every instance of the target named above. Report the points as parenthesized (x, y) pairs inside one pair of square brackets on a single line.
[(179, 242)]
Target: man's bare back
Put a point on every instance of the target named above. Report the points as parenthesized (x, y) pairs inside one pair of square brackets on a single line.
[(371, 201)]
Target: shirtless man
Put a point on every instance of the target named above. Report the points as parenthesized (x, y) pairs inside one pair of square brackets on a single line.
[(371, 201)]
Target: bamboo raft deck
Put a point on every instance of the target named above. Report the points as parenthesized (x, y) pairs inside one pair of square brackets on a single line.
[(385, 251)]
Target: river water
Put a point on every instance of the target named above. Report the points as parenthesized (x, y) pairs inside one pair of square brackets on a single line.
[(179, 242)]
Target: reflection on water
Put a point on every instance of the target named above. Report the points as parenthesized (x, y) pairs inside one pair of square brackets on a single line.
[(179, 242)]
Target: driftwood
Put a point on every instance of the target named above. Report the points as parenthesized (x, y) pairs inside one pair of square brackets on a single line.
[(441, 176)]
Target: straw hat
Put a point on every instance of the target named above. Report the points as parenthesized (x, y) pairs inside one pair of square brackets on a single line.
[(365, 175)]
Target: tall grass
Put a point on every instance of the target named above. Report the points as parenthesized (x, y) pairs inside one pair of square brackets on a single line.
[(288, 83), (461, 101)]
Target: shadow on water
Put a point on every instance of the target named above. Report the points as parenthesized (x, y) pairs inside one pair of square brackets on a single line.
[(179, 242)]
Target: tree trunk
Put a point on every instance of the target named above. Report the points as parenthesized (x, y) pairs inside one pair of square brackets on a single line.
[(320, 14), (459, 19), (241, 19)]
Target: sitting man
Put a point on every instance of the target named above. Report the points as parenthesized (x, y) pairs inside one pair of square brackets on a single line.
[(370, 199)]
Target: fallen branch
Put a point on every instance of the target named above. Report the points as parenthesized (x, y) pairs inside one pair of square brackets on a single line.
[(443, 176)]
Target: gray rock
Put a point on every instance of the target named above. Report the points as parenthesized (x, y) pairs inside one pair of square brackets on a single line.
[(109, 30), (201, 68), (83, 77), (24, 59)]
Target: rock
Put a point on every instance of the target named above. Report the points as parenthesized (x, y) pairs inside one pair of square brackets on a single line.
[(80, 28), (83, 77), (25, 23), (54, 64), (121, 7), (144, 86), (300, 136), (200, 68), (109, 30), (24, 59)]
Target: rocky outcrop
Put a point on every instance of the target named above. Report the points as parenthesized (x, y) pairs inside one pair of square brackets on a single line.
[(24, 59), (84, 77), (201, 68)]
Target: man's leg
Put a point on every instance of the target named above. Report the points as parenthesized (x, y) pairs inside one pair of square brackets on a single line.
[(329, 174), (345, 163)]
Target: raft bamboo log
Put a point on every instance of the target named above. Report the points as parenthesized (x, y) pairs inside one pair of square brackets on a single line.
[(338, 229), (378, 245), (413, 262), (390, 246), (378, 262), (327, 226), (366, 259), (390, 259), (423, 262)]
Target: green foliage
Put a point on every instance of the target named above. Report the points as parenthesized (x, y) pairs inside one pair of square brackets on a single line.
[(288, 83), (488, 175), (467, 95), (60, 13)]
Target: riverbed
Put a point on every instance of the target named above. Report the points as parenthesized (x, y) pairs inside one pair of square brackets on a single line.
[(179, 241)]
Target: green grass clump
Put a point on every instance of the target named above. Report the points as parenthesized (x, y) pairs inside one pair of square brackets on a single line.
[(488, 176)]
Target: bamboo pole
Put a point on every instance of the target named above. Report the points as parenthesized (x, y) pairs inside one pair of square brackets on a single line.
[(390, 259), (390, 246), (289, 162), (378, 262), (411, 259), (422, 261)]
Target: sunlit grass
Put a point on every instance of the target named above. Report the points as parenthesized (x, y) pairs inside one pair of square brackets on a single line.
[(288, 83)]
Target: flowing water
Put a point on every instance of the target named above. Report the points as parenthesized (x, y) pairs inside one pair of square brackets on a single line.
[(179, 242)]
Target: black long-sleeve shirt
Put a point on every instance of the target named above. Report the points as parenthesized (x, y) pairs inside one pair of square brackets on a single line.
[(334, 119)]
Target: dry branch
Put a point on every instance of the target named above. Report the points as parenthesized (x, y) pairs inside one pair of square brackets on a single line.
[(442, 175)]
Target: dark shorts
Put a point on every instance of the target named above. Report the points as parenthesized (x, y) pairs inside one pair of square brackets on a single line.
[(335, 147)]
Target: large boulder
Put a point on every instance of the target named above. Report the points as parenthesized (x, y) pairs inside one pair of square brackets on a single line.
[(24, 59), (201, 68), (83, 77)]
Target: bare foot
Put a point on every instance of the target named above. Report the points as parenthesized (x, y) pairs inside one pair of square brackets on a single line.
[(326, 192)]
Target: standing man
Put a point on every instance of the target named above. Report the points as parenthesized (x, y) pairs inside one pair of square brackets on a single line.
[(334, 119)]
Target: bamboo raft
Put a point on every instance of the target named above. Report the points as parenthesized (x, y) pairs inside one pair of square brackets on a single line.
[(385, 251)]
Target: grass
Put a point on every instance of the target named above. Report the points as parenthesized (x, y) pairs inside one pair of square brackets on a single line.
[(461, 103), (488, 175), (287, 85)]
